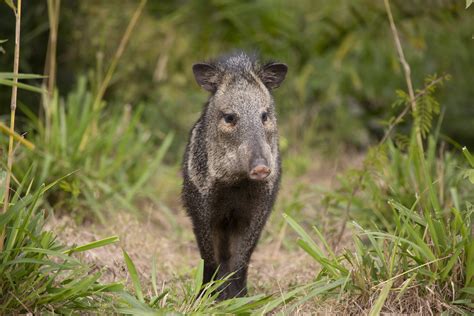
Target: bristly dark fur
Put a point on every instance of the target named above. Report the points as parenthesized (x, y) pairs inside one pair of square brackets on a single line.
[(227, 208)]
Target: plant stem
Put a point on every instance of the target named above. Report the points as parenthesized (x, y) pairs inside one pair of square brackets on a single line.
[(406, 70), (16, 63), (412, 105), (19, 138), (53, 13), (110, 71), (419, 139), (50, 63), (118, 54)]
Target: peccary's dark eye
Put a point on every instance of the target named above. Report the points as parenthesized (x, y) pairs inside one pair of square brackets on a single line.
[(264, 117), (229, 118)]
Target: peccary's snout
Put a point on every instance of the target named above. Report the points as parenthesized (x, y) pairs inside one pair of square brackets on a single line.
[(259, 169), (256, 157)]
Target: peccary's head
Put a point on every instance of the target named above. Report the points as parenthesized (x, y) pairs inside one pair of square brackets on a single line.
[(239, 120)]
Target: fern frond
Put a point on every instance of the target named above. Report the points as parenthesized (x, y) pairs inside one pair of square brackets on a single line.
[(426, 105), (401, 141)]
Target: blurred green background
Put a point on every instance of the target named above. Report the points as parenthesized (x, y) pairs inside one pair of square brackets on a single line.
[(343, 66)]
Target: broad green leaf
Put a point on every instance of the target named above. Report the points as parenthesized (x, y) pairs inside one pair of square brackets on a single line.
[(110, 287), (449, 265), (303, 234), (283, 299), (325, 243), (470, 263), (136, 307), (317, 289)]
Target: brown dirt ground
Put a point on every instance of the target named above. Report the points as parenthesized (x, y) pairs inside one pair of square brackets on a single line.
[(276, 265)]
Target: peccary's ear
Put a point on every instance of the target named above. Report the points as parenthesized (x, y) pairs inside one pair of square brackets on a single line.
[(273, 74), (207, 76)]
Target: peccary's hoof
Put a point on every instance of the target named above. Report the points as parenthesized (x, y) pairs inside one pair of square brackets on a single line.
[(231, 291)]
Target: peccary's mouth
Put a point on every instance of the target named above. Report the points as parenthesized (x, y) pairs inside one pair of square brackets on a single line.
[(259, 173)]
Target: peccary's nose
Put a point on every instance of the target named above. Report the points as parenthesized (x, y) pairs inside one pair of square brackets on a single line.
[(260, 170)]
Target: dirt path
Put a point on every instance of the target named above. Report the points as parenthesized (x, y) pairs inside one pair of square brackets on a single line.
[(274, 267)]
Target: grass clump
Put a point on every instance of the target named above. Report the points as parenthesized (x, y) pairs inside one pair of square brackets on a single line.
[(196, 297), (112, 165), (411, 213), (38, 274), (400, 272), (426, 261), (106, 147)]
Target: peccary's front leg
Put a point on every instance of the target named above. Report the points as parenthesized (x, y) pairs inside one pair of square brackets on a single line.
[(241, 244), (202, 231)]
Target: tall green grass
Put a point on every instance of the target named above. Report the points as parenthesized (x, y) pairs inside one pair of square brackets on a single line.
[(114, 165), (411, 212), (39, 274), (106, 149), (390, 173), (428, 252), (418, 254)]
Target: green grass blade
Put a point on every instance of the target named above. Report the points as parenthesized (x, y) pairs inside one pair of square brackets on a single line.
[(24, 86), (198, 278), (148, 172), (470, 262), (93, 245), (377, 307), (153, 275), (11, 75), (298, 229), (468, 156), (132, 270)]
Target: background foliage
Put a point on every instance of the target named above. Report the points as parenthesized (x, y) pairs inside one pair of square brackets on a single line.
[(343, 68)]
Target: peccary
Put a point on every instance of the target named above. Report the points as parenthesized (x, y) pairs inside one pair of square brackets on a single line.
[(231, 166)]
